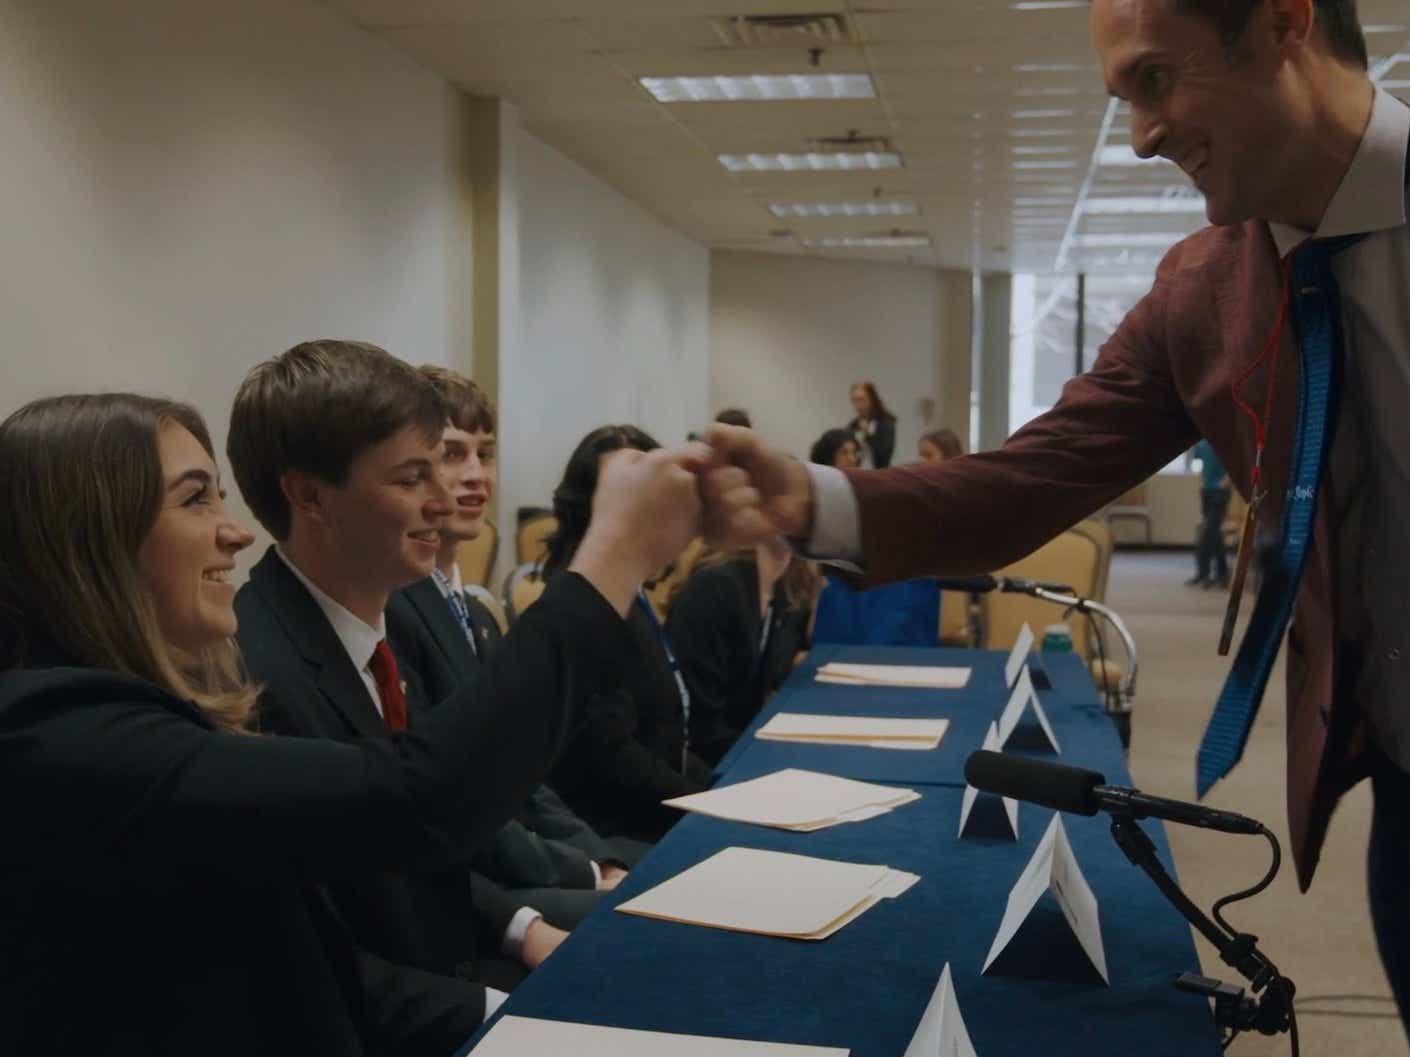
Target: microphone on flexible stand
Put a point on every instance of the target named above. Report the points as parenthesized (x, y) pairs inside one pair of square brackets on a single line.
[(1083, 792), (982, 585)]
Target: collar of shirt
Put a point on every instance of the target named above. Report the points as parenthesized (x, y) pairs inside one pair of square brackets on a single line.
[(359, 639), (1372, 193), (454, 581)]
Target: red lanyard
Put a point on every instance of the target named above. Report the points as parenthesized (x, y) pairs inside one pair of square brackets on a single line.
[(1275, 345)]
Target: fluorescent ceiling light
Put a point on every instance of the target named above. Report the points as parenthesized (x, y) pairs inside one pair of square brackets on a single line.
[(759, 88), (868, 241), (844, 209), (1117, 155), (1126, 204), (1041, 149), (809, 162), (1128, 240)]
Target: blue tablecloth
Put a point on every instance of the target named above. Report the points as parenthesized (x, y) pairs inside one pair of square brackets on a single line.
[(865, 987)]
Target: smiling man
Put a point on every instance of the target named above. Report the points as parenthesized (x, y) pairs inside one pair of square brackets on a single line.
[(1303, 279)]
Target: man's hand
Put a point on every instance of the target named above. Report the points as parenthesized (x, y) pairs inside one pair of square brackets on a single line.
[(752, 491), (612, 875), (541, 940), (644, 512)]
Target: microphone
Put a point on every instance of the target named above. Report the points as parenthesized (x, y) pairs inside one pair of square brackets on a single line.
[(982, 585), (1083, 792)]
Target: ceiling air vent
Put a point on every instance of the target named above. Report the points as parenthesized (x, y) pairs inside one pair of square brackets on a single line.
[(852, 143), (783, 31)]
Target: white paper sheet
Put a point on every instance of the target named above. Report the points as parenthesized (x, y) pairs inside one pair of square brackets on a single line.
[(941, 1032), (770, 893), (912, 675), (796, 799), (1054, 868), (797, 726), (525, 1037)]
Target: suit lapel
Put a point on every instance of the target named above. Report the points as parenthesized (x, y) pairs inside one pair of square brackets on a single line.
[(308, 629), (426, 598)]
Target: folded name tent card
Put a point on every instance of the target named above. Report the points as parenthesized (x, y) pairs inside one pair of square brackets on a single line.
[(1021, 699), (1018, 655), (525, 1037), (876, 731), (984, 814), (912, 675), (941, 1032), (796, 800), (771, 893), (1038, 939)]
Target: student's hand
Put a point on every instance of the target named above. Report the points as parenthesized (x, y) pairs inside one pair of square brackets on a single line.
[(612, 875), (644, 513), (753, 490), (541, 940)]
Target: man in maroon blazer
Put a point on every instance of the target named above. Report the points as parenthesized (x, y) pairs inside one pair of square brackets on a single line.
[(1267, 106)]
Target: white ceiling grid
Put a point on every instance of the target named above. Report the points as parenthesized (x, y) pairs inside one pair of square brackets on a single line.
[(1010, 153)]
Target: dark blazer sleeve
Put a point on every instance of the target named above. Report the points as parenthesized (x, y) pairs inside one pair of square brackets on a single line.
[(518, 857), (409, 1012), (494, 910), (1113, 427), (547, 815), (609, 755), (130, 776)]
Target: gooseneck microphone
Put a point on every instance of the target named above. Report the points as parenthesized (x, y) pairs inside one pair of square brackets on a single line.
[(1083, 792), (982, 585)]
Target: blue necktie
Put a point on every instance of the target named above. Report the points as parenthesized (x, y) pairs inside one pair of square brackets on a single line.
[(457, 608), (1317, 308)]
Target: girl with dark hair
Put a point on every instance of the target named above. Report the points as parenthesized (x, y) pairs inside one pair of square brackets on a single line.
[(939, 445), (836, 448), (874, 427), (633, 751)]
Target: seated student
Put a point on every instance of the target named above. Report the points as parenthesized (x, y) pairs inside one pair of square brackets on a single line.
[(939, 445), (836, 448), (357, 516), (549, 858), (736, 625), (159, 870), (632, 752)]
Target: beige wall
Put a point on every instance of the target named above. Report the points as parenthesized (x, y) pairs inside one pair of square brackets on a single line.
[(190, 186), (788, 336)]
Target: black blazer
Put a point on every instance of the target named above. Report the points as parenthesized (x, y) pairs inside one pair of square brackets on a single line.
[(158, 892), (426, 636), (715, 626), (882, 442), (626, 758)]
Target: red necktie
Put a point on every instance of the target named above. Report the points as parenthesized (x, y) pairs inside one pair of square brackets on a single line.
[(389, 688)]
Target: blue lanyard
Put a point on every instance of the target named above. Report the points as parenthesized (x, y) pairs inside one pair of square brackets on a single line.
[(645, 604), (457, 607)]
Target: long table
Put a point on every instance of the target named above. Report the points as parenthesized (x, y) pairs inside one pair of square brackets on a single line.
[(865, 987)]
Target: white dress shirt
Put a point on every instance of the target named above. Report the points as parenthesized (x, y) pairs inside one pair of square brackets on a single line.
[(1370, 464), (360, 640)]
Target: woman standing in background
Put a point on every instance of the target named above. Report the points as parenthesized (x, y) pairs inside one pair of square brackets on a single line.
[(874, 428)]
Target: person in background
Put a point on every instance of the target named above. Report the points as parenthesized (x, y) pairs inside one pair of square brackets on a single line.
[(736, 624), (546, 857), (939, 445), (734, 416), (836, 448), (874, 427), (164, 874), (633, 751), (1214, 493)]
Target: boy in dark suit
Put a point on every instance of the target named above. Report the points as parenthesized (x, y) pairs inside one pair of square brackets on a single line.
[(548, 857), (336, 447)]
